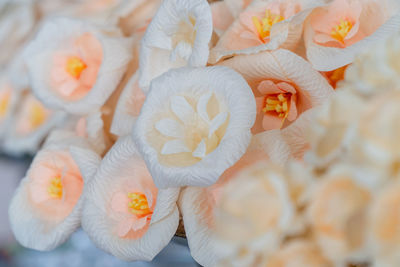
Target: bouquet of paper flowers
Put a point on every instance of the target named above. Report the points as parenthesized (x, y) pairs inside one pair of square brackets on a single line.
[(268, 128)]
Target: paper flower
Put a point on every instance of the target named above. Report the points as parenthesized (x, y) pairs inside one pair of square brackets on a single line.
[(198, 204), (128, 107), (30, 126), (76, 66), (338, 215), (333, 127), (338, 31), (194, 124), (384, 226), (375, 70), (178, 36), (264, 25), (253, 215), (124, 213), (284, 84), (221, 16), (46, 209), (298, 253)]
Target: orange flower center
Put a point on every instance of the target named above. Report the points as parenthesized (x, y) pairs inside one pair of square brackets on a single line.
[(75, 66), (340, 31), (4, 102), (55, 189), (138, 204), (37, 115), (264, 25), (277, 103), (336, 76)]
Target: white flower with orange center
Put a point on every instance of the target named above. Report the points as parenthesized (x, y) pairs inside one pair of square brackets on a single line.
[(284, 85), (337, 214), (336, 32), (124, 213), (178, 36), (75, 66), (264, 26), (194, 124), (31, 125), (46, 209)]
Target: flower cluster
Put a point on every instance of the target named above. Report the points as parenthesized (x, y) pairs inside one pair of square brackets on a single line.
[(225, 115)]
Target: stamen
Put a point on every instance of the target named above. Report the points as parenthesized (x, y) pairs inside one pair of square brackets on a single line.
[(138, 204), (340, 31), (55, 188), (263, 26), (37, 115), (277, 103), (75, 66)]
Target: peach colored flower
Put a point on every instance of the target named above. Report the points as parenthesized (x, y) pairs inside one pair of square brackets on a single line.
[(336, 32), (384, 225), (46, 209), (298, 253), (337, 214), (264, 25), (124, 213), (128, 107), (178, 36), (194, 124), (30, 126), (74, 65), (284, 84), (221, 16)]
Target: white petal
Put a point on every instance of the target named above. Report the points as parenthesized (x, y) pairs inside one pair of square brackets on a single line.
[(182, 109), (200, 151), (87, 160), (170, 127), (174, 147), (202, 106), (217, 122)]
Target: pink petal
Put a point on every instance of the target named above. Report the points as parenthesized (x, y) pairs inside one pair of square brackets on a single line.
[(292, 115), (119, 202), (124, 227), (286, 88), (259, 104), (268, 87), (271, 122), (138, 224)]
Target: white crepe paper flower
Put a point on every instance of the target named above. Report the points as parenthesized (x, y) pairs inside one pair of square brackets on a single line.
[(179, 35), (46, 208), (264, 26), (74, 65), (338, 214), (335, 33), (194, 124), (128, 107), (197, 204), (284, 84), (31, 124), (124, 213)]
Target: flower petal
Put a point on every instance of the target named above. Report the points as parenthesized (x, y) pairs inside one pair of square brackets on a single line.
[(217, 122), (170, 128), (174, 147), (200, 151), (182, 109), (202, 106)]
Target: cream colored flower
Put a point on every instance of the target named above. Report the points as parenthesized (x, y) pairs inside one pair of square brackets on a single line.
[(178, 36), (298, 253), (333, 128), (46, 209), (124, 213), (31, 125), (337, 214), (194, 124), (384, 231), (254, 214), (74, 65), (376, 69)]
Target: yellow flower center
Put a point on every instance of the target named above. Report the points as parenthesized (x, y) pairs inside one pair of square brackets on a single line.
[(75, 66), (277, 103), (340, 31), (37, 115), (4, 102), (55, 188), (264, 25), (138, 204)]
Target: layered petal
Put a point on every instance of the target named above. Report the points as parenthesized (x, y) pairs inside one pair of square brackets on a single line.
[(111, 216), (178, 36), (46, 208), (74, 65), (178, 96)]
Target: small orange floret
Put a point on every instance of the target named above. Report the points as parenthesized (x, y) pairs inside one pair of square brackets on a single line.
[(75, 66)]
